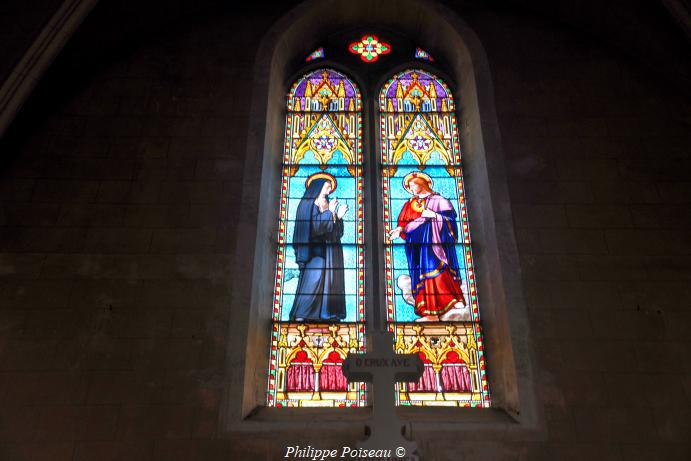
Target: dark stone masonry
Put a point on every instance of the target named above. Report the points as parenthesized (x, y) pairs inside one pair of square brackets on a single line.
[(120, 192)]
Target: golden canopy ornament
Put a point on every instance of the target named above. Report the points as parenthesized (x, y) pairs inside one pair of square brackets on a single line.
[(420, 139), (323, 138)]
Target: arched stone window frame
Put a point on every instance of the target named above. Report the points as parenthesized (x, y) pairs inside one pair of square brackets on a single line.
[(505, 321)]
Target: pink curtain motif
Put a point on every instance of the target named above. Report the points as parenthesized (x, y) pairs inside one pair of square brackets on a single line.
[(428, 380), (331, 377), (455, 376), (301, 373)]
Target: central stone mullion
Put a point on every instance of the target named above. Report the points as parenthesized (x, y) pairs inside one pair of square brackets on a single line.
[(384, 368)]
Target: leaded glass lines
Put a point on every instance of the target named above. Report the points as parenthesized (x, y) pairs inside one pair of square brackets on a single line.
[(319, 306), (431, 297), (319, 312)]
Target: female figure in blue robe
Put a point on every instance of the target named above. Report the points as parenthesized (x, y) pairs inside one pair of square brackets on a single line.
[(317, 236)]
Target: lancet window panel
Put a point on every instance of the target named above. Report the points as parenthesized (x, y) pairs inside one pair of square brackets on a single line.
[(319, 306), (431, 293)]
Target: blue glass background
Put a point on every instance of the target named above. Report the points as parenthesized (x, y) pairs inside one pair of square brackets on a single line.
[(346, 193)]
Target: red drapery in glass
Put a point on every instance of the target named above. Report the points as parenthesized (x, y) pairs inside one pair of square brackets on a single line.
[(455, 376), (301, 373), (331, 376), (428, 380)]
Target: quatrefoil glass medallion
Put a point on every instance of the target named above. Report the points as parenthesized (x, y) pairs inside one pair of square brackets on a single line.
[(369, 48)]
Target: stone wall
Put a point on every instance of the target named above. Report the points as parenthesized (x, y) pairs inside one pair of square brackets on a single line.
[(20, 23), (119, 195)]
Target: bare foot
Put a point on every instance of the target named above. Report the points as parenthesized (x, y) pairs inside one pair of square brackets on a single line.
[(456, 314), (428, 318)]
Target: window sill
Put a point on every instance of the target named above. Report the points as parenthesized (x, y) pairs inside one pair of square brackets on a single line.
[(328, 416)]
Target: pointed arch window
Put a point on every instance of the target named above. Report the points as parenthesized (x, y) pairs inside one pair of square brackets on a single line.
[(461, 61)]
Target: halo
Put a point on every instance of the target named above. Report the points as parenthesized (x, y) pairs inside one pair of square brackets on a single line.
[(413, 175), (326, 176)]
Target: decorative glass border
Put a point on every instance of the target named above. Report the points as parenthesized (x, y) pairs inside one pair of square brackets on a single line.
[(329, 101), (412, 97)]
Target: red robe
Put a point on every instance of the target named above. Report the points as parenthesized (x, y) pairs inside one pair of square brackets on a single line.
[(438, 294)]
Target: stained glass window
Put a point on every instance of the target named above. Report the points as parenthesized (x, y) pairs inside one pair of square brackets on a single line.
[(431, 298), (318, 308), (316, 54), (422, 54), (369, 48)]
